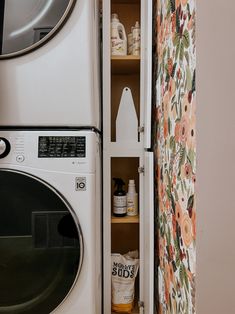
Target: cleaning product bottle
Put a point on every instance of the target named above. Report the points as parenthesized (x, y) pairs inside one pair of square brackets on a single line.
[(119, 198), (118, 37), (130, 42), (132, 199), (136, 39)]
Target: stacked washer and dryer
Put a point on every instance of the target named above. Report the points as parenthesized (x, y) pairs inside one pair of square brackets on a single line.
[(50, 181)]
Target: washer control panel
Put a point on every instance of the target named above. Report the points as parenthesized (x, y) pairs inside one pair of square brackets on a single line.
[(62, 147)]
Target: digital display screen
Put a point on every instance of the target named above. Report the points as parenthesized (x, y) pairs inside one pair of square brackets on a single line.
[(62, 147)]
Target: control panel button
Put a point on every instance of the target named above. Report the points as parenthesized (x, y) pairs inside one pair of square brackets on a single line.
[(5, 147), (20, 158)]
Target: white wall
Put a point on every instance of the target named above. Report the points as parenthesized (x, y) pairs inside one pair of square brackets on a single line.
[(216, 157)]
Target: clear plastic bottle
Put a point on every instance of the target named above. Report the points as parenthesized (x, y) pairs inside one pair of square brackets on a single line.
[(132, 199)]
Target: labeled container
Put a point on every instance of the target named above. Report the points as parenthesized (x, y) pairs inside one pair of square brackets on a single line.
[(119, 198), (118, 37), (136, 39), (130, 42), (124, 271), (132, 199)]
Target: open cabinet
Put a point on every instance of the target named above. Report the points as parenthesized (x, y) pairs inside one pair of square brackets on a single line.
[(128, 160)]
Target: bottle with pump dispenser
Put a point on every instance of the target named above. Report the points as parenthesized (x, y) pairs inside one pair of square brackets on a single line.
[(136, 39), (119, 199), (132, 199)]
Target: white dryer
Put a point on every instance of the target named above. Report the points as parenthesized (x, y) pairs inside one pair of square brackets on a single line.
[(50, 232), (49, 63)]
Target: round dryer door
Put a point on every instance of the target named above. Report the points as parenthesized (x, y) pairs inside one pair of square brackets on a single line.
[(26, 24), (41, 245)]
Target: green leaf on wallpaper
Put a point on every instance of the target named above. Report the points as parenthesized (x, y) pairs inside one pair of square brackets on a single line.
[(181, 273), (191, 156), (176, 40), (177, 21), (186, 54), (169, 125), (168, 53), (188, 8), (182, 156), (167, 77), (164, 218), (173, 70), (162, 231), (177, 51), (166, 68), (168, 192), (182, 51), (186, 279), (180, 111), (190, 203), (188, 78), (176, 245), (177, 260), (176, 195), (172, 143), (186, 38), (164, 53), (168, 8)]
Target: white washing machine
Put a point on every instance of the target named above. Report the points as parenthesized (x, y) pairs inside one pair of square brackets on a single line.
[(50, 244), (49, 63)]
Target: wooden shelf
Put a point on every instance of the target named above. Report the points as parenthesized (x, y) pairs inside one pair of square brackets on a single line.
[(125, 64), (125, 220), (128, 57)]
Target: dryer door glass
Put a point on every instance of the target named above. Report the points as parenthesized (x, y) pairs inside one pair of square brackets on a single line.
[(40, 245), (24, 24)]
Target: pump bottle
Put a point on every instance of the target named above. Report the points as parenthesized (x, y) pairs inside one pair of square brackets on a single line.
[(132, 199)]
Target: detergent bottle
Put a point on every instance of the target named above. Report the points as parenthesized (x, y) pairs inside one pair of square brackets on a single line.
[(136, 39), (118, 37)]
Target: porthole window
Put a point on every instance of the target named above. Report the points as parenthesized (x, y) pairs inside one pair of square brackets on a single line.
[(26, 24)]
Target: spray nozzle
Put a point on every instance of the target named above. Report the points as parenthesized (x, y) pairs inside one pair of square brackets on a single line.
[(118, 182)]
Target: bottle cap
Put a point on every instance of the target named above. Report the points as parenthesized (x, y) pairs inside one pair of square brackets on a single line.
[(114, 16), (137, 25)]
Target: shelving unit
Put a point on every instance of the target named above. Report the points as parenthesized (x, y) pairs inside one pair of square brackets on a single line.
[(122, 159), (125, 64), (125, 220)]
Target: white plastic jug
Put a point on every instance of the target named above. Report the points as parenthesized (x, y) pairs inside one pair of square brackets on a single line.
[(118, 37)]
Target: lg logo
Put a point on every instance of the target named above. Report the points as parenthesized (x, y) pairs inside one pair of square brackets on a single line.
[(80, 183)]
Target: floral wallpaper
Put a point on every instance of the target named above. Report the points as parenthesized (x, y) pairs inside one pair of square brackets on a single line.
[(175, 154)]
